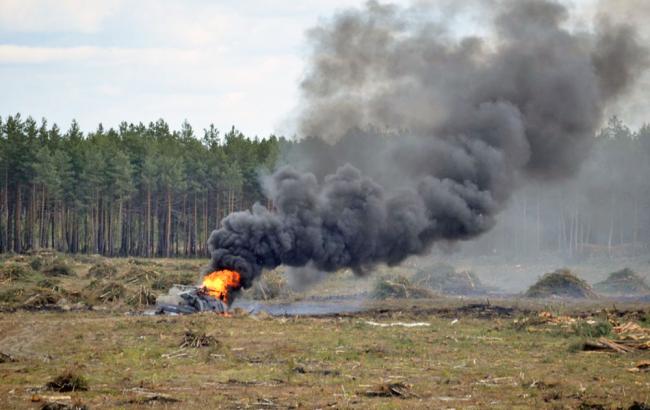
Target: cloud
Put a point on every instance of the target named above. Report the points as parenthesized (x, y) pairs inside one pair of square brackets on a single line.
[(15, 54), (56, 15)]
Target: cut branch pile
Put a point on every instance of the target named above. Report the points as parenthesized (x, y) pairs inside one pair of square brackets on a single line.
[(195, 340)]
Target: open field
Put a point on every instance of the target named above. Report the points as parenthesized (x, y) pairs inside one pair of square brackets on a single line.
[(433, 352), (267, 362)]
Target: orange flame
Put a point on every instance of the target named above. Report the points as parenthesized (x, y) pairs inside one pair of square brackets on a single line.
[(219, 283)]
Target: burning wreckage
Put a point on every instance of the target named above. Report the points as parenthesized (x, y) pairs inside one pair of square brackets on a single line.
[(214, 295)]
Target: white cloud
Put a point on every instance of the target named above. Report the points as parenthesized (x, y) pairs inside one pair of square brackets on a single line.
[(84, 16), (227, 61)]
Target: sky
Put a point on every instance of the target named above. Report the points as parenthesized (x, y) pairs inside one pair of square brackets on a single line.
[(227, 62)]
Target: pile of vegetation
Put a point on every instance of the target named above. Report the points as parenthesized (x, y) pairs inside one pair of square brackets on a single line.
[(58, 267), (444, 278), (271, 285), (69, 381), (140, 275), (398, 287), (165, 281), (142, 296), (623, 282), (12, 271), (41, 298), (561, 283), (102, 270)]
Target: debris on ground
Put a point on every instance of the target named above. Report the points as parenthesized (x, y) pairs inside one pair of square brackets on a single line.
[(618, 346), (397, 389), (188, 299), (445, 279), (622, 283), (55, 405), (561, 283), (633, 331), (196, 340), (68, 381), (399, 287), (639, 406), (641, 367), (398, 324), (152, 398), (322, 372), (6, 358)]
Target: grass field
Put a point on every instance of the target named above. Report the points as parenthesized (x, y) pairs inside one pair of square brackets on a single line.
[(428, 353)]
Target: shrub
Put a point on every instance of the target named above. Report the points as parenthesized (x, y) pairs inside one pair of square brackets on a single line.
[(598, 329)]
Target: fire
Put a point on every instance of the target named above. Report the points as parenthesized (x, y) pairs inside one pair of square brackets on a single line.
[(220, 283)]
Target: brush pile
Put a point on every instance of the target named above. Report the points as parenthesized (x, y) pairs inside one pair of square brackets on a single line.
[(398, 287), (623, 283), (445, 279), (560, 284)]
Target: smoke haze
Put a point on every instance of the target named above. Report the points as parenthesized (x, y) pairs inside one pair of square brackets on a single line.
[(420, 137)]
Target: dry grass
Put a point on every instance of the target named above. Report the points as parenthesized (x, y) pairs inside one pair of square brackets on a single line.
[(341, 362), (477, 361)]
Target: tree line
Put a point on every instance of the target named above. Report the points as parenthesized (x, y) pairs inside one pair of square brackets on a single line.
[(148, 190), (135, 190), (602, 211)]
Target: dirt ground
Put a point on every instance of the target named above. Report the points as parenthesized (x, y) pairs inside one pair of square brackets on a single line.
[(437, 352), (445, 359)]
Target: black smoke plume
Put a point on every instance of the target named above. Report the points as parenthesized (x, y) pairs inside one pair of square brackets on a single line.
[(427, 134)]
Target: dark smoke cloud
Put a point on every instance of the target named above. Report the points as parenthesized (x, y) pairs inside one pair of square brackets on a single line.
[(432, 133)]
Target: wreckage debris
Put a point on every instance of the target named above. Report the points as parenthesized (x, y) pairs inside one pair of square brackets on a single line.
[(560, 284), (183, 299)]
